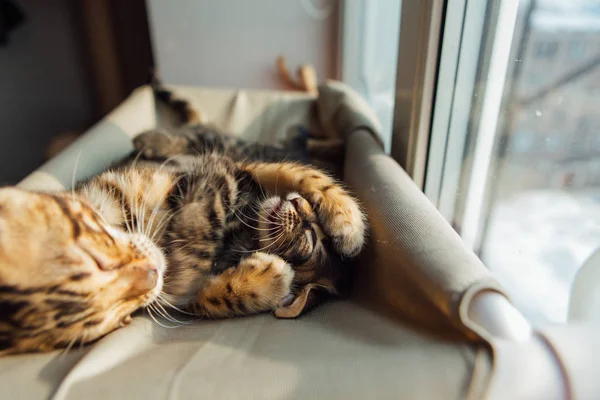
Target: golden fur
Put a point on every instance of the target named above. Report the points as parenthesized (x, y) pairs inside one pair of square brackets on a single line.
[(67, 276)]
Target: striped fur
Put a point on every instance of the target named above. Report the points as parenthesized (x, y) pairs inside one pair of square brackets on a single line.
[(239, 235), (67, 276)]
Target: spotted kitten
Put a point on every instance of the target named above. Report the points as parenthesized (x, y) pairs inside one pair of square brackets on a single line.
[(240, 235)]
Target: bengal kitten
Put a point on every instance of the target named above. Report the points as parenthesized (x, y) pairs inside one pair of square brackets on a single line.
[(68, 276), (237, 202)]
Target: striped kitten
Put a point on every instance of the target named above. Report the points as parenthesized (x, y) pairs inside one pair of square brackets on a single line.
[(67, 275), (242, 202)]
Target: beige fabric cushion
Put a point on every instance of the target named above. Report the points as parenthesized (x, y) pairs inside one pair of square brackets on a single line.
[(262, 116), (36, 376), (416, 265), (341, 111), (341, 349)]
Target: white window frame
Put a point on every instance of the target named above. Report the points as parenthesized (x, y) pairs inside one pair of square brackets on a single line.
[(459, 60), (466, 121), (486, 136), (418, 37), (442, 111)]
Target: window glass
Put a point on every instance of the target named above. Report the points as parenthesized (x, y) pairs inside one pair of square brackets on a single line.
[(539, 216), (545, 50), (577, 50), (370, 55)]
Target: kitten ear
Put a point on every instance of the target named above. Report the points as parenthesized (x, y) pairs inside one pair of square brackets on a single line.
[(309, 296)]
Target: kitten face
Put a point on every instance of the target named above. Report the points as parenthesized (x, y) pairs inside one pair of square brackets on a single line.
[(288, 227), (66, 276)]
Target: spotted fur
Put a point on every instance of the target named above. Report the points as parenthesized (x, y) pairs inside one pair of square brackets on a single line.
[(67, 276), (240, 235)]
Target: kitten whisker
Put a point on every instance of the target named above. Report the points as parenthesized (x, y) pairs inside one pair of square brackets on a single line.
[(132, 208), (132, 168), (155, 319), (263, 220), (248, 225), (146, 230), (82, 340), (262, 248), (68, 348), (163, 314), (159, 226), (74, 175), (271, 235), (170, 317), (125, 219), (163, 297), (155, 212)]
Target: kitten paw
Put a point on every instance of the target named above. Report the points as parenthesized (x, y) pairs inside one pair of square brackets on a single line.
[(343, 221), (158, 144), (260, 282), (270, 278)]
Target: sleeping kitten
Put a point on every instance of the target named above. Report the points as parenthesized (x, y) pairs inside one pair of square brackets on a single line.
[(282, 217), (66, 275), (327, 271), (227, 209)]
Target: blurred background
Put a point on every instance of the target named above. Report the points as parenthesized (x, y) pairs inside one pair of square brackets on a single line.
[(66, 63), (63, 66)]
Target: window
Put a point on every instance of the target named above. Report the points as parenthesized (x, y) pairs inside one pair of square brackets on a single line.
[(545, 50), (368, 62), (520, 176), (535, 79), (577, 50), (523, 142), (553, 141)]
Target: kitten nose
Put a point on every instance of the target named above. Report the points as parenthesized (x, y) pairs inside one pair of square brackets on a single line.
[(142, 280)]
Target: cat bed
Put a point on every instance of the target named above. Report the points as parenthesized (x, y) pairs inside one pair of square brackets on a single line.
[(426, 319)]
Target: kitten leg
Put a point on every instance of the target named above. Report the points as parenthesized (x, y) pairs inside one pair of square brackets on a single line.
[(259, 283), (193, 140), (339, 213), (159, 144)]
